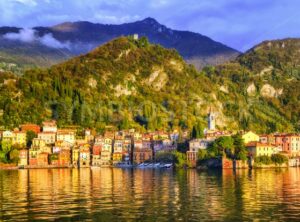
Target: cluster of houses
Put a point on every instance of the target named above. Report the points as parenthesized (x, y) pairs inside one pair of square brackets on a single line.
[(63, 148), (287, 144)]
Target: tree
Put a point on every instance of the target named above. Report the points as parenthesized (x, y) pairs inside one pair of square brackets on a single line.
[(180, 159), (240, 152), (220, 146), (197, 131), (5, 149), (30, 135)]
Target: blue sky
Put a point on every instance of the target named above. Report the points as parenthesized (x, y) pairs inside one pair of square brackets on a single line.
[(237, 23)]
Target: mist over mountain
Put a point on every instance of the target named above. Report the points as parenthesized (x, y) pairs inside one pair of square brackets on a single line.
[(74, 38)]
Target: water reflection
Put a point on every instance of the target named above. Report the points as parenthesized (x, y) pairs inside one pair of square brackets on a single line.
[(149, 195)]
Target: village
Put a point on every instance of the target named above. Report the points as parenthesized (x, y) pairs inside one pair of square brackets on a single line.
[(54, 147)]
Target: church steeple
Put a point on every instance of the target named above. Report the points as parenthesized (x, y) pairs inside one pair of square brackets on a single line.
[(211, 120)]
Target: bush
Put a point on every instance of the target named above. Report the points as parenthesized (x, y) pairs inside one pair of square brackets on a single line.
[(279, 159), (263, 160)]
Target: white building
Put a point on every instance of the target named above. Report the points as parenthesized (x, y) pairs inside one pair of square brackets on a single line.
[(50, 126)]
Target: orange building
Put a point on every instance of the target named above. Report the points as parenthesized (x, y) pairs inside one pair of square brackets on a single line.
[(42, 159), (30, 127), (289, 143), (142, 155)]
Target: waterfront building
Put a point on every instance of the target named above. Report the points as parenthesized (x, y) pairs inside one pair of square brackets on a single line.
[(33, 155), (84, 156), (118, 151), (250, 137), (289, 143), (267, 138), (96, 160), (48, 137), (42, 159), (157, 146), (256, 149), (142, 151), (23, 157), (75, 156), (66, 135), (142, 155), (97, 148), (106, 157), (194, 146), (127, 150), (40, 144)]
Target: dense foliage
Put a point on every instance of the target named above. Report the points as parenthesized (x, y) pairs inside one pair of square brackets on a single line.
[(130, 83), (277, 159), (230, 146)]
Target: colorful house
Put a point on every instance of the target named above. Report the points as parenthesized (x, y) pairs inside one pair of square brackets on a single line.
[(118, 151), (250, 137), (267, 138), (75, 156), (256, 149), (23, 157), (19, 138), (127, 150), (40, 144), (7, 136), (84, 156), (96, 160), (42, 159), (66, 135), (50, 126), (48, 137), (30, 127), (33, 155), (289, 143), (142, 155), (194, 146)]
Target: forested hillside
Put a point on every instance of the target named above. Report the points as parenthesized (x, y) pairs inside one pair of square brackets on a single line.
[(132, 83)]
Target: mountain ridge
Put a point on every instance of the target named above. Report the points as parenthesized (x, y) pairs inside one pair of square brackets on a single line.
[(83, 36)]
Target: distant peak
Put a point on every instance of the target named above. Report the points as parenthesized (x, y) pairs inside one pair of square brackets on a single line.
[(150, 20)]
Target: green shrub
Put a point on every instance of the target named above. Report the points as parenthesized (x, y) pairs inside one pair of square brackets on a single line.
[(263, 160), (279, 159)]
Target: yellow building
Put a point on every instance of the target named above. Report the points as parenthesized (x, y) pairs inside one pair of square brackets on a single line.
[(250, 137), (261, 149), (19, 138)]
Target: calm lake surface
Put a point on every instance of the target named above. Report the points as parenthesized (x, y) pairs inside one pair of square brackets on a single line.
[(149, 195)]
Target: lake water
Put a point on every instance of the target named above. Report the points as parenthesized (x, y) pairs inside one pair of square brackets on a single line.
[(149, 195)]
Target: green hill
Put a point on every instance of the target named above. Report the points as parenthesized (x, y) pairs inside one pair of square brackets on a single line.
[(128, 83), (268, 78)]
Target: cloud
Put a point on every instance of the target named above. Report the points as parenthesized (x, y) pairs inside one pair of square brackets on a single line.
[(24, 35), (27, 2), (50, 41), (30, 36)]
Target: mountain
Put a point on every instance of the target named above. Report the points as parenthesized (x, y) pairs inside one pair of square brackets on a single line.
[(71, 39), (132, 83), (268, 77)]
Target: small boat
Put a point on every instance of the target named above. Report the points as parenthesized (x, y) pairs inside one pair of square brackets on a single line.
[(168, 165), (141, 165), (157, 165)]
